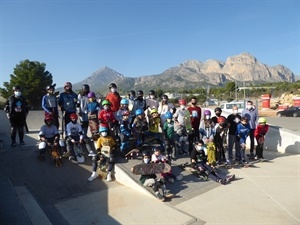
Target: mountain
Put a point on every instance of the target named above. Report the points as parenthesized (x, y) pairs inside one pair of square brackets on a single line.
[(193, 74)]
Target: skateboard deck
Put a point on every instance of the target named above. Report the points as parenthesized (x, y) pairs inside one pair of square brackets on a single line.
[(187, 121), (151, 168), (93, 123), (78, 153), (132, 153), (55, 157), (105, 150)]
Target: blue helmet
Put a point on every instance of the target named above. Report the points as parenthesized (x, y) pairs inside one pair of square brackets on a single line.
[(124, 101), (139, 112), (168, 115), (103, 129)]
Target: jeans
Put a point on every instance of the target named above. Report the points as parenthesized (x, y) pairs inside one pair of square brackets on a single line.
[(233, 140)]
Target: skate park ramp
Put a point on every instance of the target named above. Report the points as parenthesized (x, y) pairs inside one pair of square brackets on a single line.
[(64, 196)]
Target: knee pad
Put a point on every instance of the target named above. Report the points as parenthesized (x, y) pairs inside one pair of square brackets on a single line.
[(42, 145)]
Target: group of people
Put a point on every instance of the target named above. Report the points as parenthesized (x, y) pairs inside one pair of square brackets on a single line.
[(115, 121)]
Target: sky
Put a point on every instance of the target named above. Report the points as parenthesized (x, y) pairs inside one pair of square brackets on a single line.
[(144, 37)]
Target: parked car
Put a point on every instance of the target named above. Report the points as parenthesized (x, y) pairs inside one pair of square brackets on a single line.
[(227, 107), (291, 111)]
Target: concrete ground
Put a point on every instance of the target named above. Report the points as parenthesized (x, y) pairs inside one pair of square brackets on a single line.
[(268, 193)]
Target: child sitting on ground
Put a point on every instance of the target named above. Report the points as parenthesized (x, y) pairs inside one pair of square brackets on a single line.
[(151, 180), (157, 157)]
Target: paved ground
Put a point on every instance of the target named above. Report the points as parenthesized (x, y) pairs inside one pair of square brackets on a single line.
[(266, 194)]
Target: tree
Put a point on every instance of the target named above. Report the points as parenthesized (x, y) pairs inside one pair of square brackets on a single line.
[(33, 78)]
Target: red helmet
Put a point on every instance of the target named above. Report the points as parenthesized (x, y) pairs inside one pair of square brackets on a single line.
[(74, 116), (221, 119), (48, 117), (182, 102)]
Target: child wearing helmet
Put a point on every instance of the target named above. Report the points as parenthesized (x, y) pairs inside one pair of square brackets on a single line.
[(123, 107), (125, 133), (259, 134), (139, 127), (102, 159), (169, 135), (164, 107), (74, 135), (158, 157), (93, 108), (151, 103), (207, 128), (48, 135), (220, 139), (242, 132), (106, 116), (151, 180), (155, 126), (49, 104)]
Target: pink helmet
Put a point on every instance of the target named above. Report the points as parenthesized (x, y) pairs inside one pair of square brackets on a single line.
[(182, 102)]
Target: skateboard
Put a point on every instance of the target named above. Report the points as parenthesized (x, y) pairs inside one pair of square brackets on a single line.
[(93, 123), (188, 122), (189, 168), (106, 151), (78, 153), (102, 168), (132, 153), (63, 124), (55, 156), (151, 168)]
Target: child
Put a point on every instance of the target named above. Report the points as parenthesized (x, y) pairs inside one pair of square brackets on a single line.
[(242, 132), (151, 180), (139, 127), (49, 104), (259, 133), (124, 132), (220, 139), (107, 118), (154, 126), (48, 135), (123, 107), (92, 110), (207, 127), (199, 162), (169, 134), (103, 140), (157, 157)]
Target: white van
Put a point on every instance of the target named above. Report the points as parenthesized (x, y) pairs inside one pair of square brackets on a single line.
[(227, 107)]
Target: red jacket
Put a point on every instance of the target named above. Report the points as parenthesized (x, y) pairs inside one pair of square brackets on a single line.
[(114, 99), (106, 117), (261, 131)]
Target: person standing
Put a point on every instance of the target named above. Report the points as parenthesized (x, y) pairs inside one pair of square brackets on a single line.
[(233, 120), (195, 112), (251, 114), (114, 98), (82, 108), (67, 101), (49, 104), (16, 111)]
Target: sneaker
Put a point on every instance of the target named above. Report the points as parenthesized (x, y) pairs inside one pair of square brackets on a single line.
[(171, 180), (22, 143), (159, 196), (91, 153), (71, 157), (221, 181), (230, 178), (66, 154), (168, 195), (251, 155), (179, 177), (13, 144), (93, 177)]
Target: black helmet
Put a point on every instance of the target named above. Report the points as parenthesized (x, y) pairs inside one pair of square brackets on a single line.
[(146, 153), (17, 87), (112, 85), (164, 96), (140, 93), (218, 109), (151, 92), (50, 86), (132, 92), (86, 87), (68, 84)]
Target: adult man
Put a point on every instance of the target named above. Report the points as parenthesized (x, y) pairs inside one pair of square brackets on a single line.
[(49, 104), (16, 111), (252, 115), (233, 120), (114, 98)]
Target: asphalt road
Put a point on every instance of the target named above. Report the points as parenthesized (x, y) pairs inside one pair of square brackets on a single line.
[(291, 123)]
